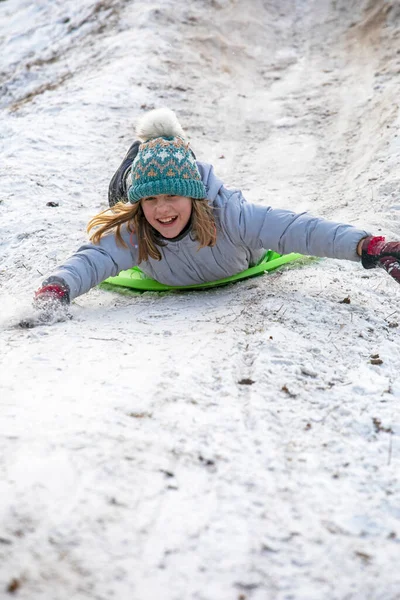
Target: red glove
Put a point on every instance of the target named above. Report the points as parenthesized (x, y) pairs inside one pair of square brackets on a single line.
[(52, 293), (376, 252), (51, 305)]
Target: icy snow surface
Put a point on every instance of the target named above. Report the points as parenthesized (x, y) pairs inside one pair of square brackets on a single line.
[(136, 462)]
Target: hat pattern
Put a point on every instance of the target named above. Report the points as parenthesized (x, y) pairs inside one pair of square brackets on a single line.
[(165, 165)]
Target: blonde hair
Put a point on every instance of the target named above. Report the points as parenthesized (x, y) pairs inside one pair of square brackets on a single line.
[(112, 219)]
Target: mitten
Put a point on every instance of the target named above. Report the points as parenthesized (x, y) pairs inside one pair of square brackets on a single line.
[(376, 252), (50, 305)]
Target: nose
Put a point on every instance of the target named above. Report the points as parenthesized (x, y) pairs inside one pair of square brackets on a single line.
[(162, 204)]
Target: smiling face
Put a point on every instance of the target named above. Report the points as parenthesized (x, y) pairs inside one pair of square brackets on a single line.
[(168, 214)]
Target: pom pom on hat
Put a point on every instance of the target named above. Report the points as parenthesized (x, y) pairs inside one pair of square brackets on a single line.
[(161, 122), (164, 163)]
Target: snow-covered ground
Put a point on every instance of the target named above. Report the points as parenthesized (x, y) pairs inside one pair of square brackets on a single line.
[(233, 444)]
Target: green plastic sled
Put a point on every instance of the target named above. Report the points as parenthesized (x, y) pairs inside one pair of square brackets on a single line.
[(135, 278)]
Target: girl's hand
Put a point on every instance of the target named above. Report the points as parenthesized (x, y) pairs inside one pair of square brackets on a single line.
[(50, 306), (376, 252)]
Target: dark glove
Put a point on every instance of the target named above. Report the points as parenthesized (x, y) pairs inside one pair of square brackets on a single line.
[(50, 306), (376, 252)]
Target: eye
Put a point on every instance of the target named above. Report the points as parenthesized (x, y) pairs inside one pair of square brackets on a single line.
[(149, 199)]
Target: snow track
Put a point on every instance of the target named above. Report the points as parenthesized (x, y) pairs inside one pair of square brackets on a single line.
[(236, 444)]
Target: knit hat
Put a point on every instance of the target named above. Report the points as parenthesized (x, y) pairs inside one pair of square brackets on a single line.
[(164, 163)]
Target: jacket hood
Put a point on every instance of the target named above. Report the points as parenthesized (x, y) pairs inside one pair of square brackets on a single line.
[(211, 182)]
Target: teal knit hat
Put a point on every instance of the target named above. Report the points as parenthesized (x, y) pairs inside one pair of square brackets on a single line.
[(164, 163)]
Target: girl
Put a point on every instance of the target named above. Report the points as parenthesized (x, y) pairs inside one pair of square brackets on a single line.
[(174, 218)]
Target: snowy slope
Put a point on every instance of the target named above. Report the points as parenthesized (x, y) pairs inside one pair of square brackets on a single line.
[(231, 444)]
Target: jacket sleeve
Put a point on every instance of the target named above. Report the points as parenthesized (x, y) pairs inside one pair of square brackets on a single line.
[(93, 263), (257, 226)]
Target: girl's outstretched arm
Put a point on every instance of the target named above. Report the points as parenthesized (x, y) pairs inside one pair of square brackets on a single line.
[(89, 266), (93, 263), (284, 231)]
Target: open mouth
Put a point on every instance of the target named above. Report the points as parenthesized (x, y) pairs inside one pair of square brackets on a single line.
[(167, 221)]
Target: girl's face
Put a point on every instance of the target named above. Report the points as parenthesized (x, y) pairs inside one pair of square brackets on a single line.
[(168, 214)]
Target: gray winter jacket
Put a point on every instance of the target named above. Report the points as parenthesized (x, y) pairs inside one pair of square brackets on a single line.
[(244, 232)]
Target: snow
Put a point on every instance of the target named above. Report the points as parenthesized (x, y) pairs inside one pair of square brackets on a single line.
[(135, 460)]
